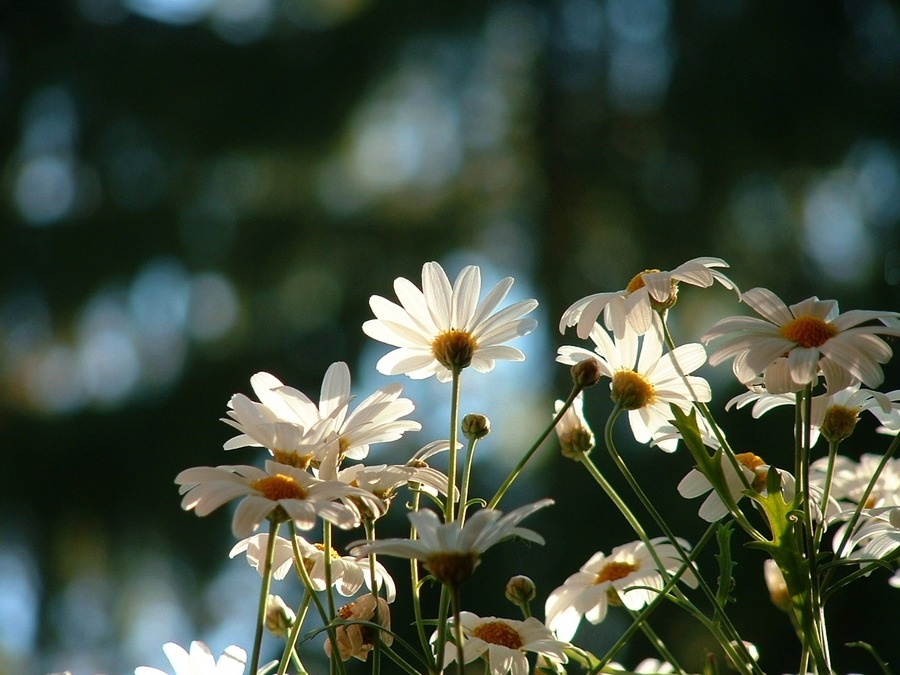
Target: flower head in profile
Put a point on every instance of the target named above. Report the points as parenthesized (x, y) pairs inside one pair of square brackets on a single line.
[(648, 291), (199, 661), (628, 576), (348, 573), (297, 431), (813, 336), (357, 640), (753, 475), (575, 436), (851, 479), (279, 491), (504, 643), (442, 328), (644, 381), (451, 551)]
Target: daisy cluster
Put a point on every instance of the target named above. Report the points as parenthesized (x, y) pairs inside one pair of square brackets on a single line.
[(311, 472)]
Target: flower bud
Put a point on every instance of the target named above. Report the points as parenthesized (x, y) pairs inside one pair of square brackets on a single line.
[(520, 590), (839, 423), (778, 590), (586, 373), (357, 640), (575, 436), (475, 426), (279, 617)]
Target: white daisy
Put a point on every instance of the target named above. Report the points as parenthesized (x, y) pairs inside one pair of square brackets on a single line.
[(627, 576), (348, 573), (875, 537), (695, 484), (504, 643), (851, 478), (287, 421), (648, 290), (451, 551), (199, 661), (441, 328), (575, 436), (644, 381), (280, 491), (813, 335)]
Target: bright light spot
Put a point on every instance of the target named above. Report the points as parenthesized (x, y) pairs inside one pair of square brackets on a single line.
[(107, 353), (45, 189), (877, 170), (406, 138), (214, 307), (83, 613), (638, 20), (50, 123), (178, 12), (242, 21), (159, 297), (53, 380), (834, 231), (639, 75), (20, 599)]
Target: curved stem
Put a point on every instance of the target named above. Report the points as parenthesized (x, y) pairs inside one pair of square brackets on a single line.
[(373, 579), (527, 456), (293, 635), (264, 596)]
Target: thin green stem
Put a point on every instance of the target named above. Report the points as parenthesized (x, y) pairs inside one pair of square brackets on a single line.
[(264, 595), (308, 584), (467, 474), (527, 456), (400, 661), (373, 580), (449, 515), (457, 629), (416, 595), (441, 640), (293, 635)]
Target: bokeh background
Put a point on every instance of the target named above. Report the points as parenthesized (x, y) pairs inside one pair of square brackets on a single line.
[(196, 190)]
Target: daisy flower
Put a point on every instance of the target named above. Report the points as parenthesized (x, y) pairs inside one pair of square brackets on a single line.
[(451, 551), (356, 640), (287, 422), (443, 328), (875, 537), (644, 381), (278, 491), (575, 436), (504, 643), (695, 484), (628, 576), (851, 478), (833, 415), (648, 291), (348, 573), (813, 335), (199, 661)]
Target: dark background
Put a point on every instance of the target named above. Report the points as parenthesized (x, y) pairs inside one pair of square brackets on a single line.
[(195, 190)]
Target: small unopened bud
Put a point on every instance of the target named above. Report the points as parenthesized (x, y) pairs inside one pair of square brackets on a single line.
[(520, 590), (279, 617), (586, 373), (475, 426), (778, 590), (839, 423), (575, 436)]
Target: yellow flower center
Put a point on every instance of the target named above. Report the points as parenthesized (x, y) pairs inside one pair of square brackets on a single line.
[(631, 390), (637, 281), (808, 331), (454, 349), (452, 569), (754, 462), (294, 459), (278, 487), (614, 570), (839, 423), (499, 633)]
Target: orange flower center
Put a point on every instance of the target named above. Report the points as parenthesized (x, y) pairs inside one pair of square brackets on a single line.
[(637, 281), (754, 462), (294, 459), (631, 390), (499, 633), (454, 349), (614, 570), (278, 487), (808, 331)]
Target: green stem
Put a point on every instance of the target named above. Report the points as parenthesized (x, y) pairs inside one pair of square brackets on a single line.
[(293, 635), (527, 456), (264, 596), (441, 640), (416, 595), (373, 579), (457, 629), (308, 584), (467, 474), (400, 661), (449, 515)]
